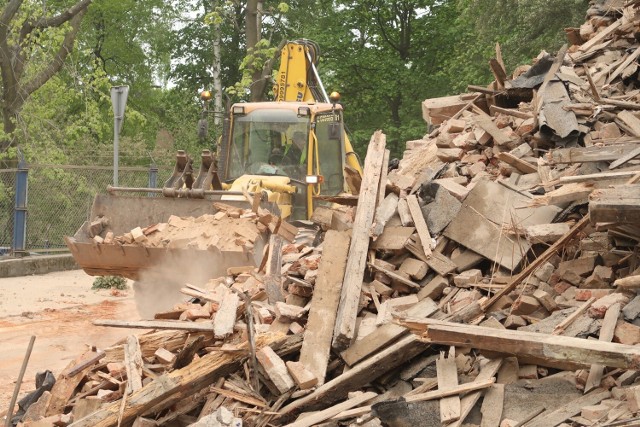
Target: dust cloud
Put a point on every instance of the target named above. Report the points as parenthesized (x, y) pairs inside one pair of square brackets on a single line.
[(158, 288)]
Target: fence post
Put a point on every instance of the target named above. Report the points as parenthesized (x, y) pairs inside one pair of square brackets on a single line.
[(20, 210), (153, 178)]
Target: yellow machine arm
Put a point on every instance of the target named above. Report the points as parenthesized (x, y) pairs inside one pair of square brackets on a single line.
[(298, 81)]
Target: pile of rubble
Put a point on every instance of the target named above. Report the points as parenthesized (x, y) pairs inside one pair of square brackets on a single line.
[(229, 229), (462, 289)]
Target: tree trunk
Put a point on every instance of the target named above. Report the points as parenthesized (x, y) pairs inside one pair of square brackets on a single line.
[(253, 34), (217, 80)]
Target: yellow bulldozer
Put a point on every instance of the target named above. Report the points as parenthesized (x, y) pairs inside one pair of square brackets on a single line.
[(291, 153)]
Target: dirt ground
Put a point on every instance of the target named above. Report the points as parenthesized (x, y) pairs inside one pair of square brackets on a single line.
[(58, 309)]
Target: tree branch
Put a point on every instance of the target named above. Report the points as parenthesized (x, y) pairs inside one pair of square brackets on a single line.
[(57, 62), (8, 13), (6, 67), (56, 21)]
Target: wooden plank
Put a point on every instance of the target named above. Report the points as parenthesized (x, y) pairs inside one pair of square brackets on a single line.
[(420, 223), (437, 261), (598, 38), (631, 122), (602, 176), (448, 379), (562, 326), (555, 417), (467, 403), (606, 335), (345, 327), (577, 191), (453, 391), (533, 266), (353, 379), (492, 406), (316, 345), (318, 417), (385, 334), (629, 282), (620, 204), (606, 153), (498, 72), (273, 277), (624, 65), (624, 159), (382, 187), (387, 208), (394, 276), (494, 110), (405, 215), (66, 384), (547, 349), (156, 324), (133, 363), (519, 164), (471, 387)]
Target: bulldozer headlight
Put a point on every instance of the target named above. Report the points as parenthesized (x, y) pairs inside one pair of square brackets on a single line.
[(238, 110), (314, 179), (303, 111)]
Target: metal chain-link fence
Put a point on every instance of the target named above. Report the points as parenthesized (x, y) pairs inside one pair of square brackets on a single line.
[(59, 200)]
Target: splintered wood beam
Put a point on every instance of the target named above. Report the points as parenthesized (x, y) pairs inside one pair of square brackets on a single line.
[(521, 165), (487, 372), (598, 38), (316, 346), (273, 278), (383, 335), (350, 297), (608, 153), (492, 406), (420, 224), (448, 379), (498, 72), (133, 363), (546, 349), (318, 417), (194, 377), (606, 335), (156, 324), (624, 159)]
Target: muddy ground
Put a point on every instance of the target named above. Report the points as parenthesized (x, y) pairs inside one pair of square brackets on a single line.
[(58, 309)]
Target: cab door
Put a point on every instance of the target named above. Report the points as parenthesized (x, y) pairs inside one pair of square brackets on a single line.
[(327, 160)]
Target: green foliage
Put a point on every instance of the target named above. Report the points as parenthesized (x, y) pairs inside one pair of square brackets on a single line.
[(522, 28), (385, 57), (110, 282)]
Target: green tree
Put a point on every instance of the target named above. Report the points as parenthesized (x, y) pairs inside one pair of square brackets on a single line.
[(34, 43)]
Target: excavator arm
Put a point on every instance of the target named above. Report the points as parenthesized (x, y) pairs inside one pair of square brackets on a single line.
[(298, 81)]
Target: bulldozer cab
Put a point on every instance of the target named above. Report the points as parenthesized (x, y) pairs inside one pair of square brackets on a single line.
[(297, 144)]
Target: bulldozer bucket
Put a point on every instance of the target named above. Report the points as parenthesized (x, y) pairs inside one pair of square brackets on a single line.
[(137, 262)]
